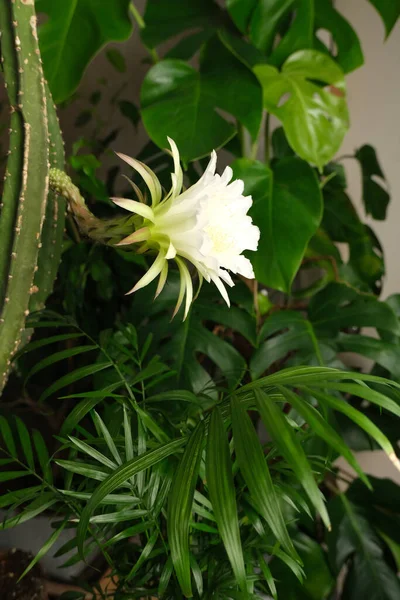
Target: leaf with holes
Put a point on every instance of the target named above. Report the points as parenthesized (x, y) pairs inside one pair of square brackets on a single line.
[(315, 118)]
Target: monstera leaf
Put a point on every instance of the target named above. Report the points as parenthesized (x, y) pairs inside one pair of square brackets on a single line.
[(182, 103), (287, 207), (315, 118), (74, 33)]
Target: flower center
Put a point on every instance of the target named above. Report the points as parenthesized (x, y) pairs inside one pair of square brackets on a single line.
[(221, 241)]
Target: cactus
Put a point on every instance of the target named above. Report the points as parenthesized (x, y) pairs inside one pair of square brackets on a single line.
[(31, 222)]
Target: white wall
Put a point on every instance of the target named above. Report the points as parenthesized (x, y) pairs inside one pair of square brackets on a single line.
[(374, 102)]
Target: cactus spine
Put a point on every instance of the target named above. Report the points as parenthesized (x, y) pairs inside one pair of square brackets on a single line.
[(29, 243)]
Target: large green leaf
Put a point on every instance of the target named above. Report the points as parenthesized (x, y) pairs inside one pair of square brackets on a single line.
[(349, 52), (180, 102), (339, 306), (223, 495), (384, 353), (375, 196), (287, 207), (318, 581), (166, 18), (353, 539), (75, 31), (315, 118), (180, 508), (254, 468), (389, 10)]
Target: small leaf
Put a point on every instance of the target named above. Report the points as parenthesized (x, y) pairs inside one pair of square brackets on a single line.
[(86, 449), (57, 356), (82, 408), (43, 455), (44, 549), (165, 577), (117, 60), (180, 508), (25, 442), (107, 437), (84, 469), (7, 436), (119, 477), (144, 554), (222, 493), (79, 373)]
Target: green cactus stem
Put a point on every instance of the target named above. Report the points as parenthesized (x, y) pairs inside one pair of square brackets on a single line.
[(24, 201), (105, 231)]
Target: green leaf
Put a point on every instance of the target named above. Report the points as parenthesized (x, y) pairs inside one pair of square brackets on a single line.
[(222, 494), (103, 431), (386, 354), (266, 21), (389, 12), (318, 582), (117, 499), (300, 335), (165, 577), (84, 469), (79, 373), (93, 453), (349, 52), (82, 408), (72, 36), (360, 419), (180, 507), (45, 342), (56, 357), (223, 82), (266, 571), (323, 429), (289, 446), (375, 197), (339, 306), (117, 60), (240, 11), (166, 19), (130, 111), (291, 188), (119, 477), (368, 576), (7, 436), (144, 554), (254, 468), (315, 119), (44, 549), (25, 442), (9, 475), (34, 509), (43, 455), (127, 533)]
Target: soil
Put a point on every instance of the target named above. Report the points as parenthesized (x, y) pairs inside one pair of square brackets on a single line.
[(12, 564)]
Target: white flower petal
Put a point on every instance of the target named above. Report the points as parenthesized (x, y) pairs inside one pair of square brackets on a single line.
[(136, 207), (148, 176)]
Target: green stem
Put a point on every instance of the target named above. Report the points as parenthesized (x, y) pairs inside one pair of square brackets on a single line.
[(141, 24), (267, 140)]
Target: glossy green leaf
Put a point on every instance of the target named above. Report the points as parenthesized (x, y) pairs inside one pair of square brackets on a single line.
[(104, 432), (266, 20), (223, 82), (73, 34), (290, 189), (117, 499), (254, 468), (240, 11), (128, 533), (47, 341), (315, 119), (318, 582), (79, 373), (290, 448), (35, 508), (165, 577), (180, 507), (389, 10), (84, 469), (375, 196), (93, 453), (349, 54), (10, 475), (119, 477), (222, 494)]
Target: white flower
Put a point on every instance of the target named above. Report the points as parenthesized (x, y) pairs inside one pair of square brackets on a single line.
[(206, 225)]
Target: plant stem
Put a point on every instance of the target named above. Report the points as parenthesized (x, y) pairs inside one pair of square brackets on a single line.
[(267, 140), (141, 24)]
